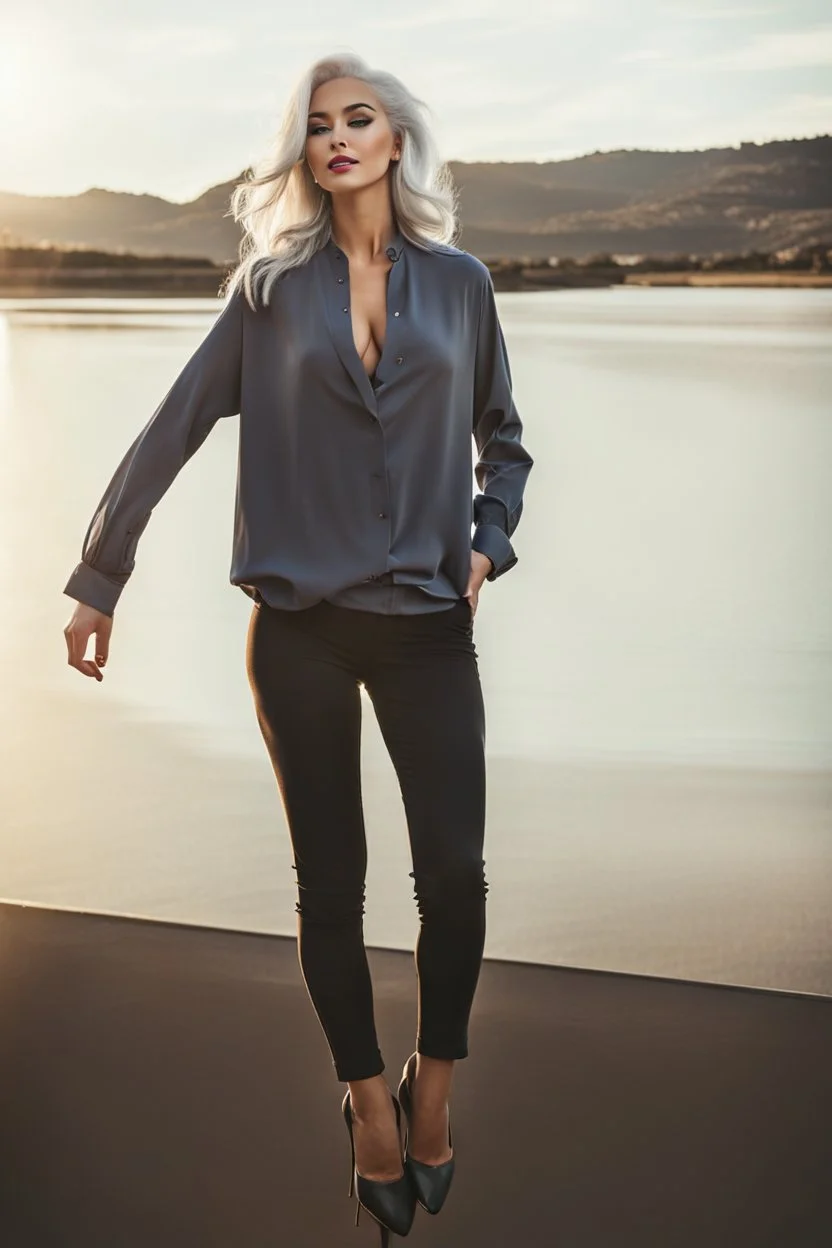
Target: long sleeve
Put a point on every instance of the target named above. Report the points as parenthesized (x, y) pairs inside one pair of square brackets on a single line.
[(504, 463), (207, 388)]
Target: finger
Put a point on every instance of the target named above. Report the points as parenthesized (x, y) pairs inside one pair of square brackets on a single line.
[(77, 644), (72, 644), (102, 644)]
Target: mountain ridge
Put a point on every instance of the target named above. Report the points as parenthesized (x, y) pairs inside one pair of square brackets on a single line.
[(758, 196)]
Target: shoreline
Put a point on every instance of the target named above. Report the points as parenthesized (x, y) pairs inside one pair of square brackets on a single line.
[(188, 283), (805, 280)]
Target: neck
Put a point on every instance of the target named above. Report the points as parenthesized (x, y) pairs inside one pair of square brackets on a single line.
[(363, 227)]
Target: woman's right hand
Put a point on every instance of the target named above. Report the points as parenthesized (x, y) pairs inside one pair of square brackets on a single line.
[(83, 623)]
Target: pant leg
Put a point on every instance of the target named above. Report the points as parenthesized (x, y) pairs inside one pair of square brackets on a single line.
[(426, 693), (308, 707)]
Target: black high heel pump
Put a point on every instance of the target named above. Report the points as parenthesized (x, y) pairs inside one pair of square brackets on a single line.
[(391, 1202), (431, 1182)]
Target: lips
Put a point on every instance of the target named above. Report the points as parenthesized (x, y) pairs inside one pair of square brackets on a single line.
[(341, 162)]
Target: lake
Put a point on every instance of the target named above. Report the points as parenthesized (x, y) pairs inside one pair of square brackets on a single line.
[(657, 667)]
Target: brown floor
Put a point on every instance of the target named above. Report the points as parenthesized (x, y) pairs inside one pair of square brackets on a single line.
[(167, 1087)]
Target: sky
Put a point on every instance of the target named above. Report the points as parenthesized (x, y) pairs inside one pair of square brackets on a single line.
[(171, 97)]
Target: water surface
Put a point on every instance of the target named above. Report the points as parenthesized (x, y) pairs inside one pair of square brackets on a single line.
[(657, 667)]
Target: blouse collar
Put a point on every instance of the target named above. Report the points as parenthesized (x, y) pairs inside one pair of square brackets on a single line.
[(393, 250)]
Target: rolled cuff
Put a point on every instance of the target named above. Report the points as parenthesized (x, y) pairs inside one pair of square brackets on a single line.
[(93, 588), (492, 541)]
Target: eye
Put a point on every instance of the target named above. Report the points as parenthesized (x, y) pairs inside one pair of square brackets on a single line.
[(357, 121)]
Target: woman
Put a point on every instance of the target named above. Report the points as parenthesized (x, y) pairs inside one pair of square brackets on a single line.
[(361, 351)]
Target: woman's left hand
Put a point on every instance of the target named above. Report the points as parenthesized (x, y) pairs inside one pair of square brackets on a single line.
[(481, 565)]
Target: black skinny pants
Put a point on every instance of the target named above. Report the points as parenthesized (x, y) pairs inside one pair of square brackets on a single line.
[(420, 671)]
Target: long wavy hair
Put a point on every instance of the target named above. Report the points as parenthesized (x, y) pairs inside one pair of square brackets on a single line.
[(286, 216)]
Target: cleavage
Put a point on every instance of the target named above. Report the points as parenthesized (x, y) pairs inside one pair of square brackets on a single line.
[(368, 305)]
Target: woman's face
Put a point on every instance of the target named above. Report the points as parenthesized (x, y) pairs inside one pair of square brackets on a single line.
[(347, 122)]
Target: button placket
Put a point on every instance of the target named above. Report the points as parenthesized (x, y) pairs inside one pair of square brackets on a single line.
[(344, 340), (337, 301)]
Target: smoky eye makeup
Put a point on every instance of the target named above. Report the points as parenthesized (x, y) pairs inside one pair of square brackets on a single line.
[(361, 121)]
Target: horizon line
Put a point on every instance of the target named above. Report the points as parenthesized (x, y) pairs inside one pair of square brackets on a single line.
[(451, 160)]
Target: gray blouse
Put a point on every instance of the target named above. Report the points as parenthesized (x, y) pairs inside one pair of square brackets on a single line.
[(352, 490)]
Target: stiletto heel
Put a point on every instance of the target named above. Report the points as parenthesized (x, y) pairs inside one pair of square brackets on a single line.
[(431, 1183), (392, 1203)]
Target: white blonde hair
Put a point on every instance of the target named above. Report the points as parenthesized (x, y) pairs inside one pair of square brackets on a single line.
[(286, 215)]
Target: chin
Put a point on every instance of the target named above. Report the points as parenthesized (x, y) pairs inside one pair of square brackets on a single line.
[(348, 181)]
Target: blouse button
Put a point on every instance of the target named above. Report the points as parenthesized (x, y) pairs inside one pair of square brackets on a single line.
[(395, 314), (345, 309), (400, 359), (340, 281)]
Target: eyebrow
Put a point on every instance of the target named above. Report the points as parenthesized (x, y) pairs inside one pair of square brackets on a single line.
[(349, 108)]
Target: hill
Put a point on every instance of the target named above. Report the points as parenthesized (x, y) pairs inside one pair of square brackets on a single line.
[(764, 197)]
